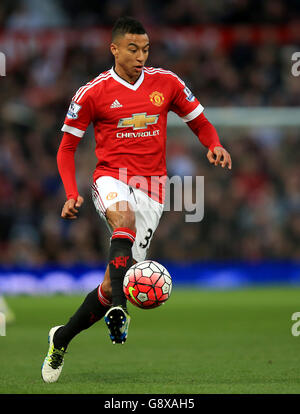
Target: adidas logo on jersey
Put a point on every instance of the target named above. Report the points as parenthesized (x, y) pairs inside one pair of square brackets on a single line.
[(116, 104)]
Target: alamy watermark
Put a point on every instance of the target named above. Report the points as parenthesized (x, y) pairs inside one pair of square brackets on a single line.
[(176, 193), (296, 66), (2, 324), (2, 64), (295, 327)]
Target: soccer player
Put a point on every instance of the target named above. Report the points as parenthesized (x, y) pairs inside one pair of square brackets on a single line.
[(128, 106)]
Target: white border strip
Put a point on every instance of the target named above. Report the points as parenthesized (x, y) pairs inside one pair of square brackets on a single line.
[(246, 117), (192, 115), (72, 130)]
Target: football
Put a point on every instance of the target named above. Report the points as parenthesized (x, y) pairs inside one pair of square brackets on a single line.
[(147, 284)]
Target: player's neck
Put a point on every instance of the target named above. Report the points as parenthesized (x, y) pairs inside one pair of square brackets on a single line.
[(123, 75)]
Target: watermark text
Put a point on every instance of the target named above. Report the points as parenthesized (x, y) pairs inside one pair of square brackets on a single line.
[(2, 64), (2, 324), (175, 193), (296, 66), (296, 326)]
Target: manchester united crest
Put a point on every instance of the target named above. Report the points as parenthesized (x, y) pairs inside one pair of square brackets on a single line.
[(157, 98), (111, 196)]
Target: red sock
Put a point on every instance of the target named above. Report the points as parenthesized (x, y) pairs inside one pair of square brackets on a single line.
[(103, 298)]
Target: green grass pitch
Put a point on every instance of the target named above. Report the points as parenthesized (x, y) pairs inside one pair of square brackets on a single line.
[(199, 342)]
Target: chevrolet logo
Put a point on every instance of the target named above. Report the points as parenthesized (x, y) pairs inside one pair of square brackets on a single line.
[(138, 121)]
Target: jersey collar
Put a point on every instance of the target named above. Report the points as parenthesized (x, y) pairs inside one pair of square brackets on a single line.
[(128, 85)]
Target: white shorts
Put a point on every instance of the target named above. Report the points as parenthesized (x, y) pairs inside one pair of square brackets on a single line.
[(107, 191)]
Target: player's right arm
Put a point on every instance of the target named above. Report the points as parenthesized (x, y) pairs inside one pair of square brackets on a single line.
[(78, 118), (66, 167), (187, 106)]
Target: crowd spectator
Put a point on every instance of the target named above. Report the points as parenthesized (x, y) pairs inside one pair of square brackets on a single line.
[(251, 213), (79, 13)]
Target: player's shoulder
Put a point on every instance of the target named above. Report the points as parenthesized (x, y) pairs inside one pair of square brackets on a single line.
[(91, 87), (163, 74)]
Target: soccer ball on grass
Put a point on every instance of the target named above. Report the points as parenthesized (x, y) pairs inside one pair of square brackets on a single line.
[(147, 284)]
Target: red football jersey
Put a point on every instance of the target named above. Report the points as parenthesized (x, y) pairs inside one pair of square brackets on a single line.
[(130, 122)]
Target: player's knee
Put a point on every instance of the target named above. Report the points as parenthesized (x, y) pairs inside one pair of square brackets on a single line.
[(126, 219), (121, 215)]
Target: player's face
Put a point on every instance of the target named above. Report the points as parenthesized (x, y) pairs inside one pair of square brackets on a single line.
[(131, 52)]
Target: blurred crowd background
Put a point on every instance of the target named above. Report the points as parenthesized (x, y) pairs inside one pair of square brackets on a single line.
[(83, 13), (241, 58)]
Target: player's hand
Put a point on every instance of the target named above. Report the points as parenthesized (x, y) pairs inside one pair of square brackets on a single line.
[(70, 208), (219, 156)]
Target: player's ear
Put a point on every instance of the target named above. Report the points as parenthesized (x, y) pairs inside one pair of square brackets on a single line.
[(114, 49)]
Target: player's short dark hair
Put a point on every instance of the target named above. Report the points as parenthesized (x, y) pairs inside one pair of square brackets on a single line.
[(125, 25)]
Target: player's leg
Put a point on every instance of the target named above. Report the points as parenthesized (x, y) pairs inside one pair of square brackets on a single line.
[(121, 219), (123, 223), (97, 302), (116, 206), (147, 219), (106, 284), (93, 308)]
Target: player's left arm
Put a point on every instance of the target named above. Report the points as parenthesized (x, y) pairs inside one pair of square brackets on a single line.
[(189, 109), (208, 136)]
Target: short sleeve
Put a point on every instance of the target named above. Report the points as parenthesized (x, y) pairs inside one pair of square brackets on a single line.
[(79, 115), (184, 103)]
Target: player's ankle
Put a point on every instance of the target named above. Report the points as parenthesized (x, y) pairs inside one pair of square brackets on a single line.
[(57, 339), (119, 301)]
